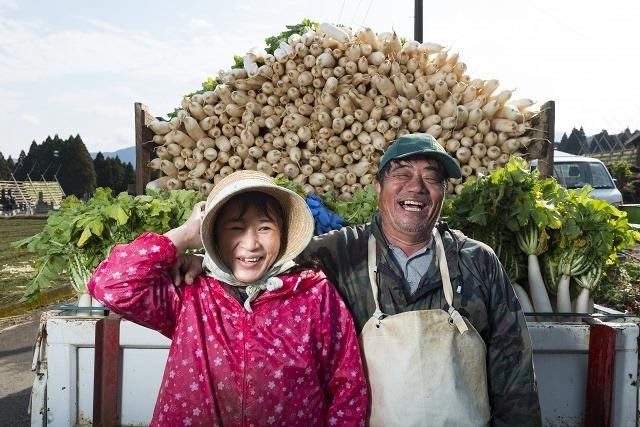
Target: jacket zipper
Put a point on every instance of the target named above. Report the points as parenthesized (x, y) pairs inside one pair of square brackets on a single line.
[(244, 368)]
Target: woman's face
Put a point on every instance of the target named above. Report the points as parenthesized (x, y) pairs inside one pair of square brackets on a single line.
[(248, 240)]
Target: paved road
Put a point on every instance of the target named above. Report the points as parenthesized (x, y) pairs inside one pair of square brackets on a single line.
[(15, 369)]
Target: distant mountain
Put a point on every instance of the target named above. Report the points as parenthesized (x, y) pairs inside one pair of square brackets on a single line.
[(126, 155)]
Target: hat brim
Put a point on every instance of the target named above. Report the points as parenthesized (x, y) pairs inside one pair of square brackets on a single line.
[(298, 219), (451, 167)]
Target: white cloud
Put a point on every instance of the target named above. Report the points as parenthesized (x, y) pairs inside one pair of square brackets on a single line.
[(107, 49), (199, 25), (29, 118), (116, 138), (9, 97), (98, 24), (8, 4), (82, 75), (118, 111)]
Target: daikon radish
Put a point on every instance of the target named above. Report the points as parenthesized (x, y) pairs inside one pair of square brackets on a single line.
[(522, 104), (504, 125), (328, 99), (334, 32), (155, 164), (158, 184), (528, 242), (159, 127), (587, 282)]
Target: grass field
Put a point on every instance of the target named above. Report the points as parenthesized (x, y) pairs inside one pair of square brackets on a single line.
[(16, 265)]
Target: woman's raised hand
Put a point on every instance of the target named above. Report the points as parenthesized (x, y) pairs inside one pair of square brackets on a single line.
[(186, 269), (187, 235)]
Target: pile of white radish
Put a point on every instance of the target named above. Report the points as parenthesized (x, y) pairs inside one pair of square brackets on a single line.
[(322, 109)]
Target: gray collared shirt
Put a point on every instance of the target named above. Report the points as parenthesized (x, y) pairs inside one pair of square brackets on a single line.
[(415, 266)]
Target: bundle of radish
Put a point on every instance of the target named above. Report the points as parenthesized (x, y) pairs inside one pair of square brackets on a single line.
[(567, 232), (519, 234), (592, 233), (324, 103)]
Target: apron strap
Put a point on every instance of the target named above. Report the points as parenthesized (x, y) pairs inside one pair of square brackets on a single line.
[(441, 258), (457, 319), (373, 269)]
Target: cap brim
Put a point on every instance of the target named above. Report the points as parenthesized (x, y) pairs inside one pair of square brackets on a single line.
[(298, 219), (451, 167)]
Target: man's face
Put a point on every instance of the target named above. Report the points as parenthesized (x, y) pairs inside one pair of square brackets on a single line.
[(410, 198)]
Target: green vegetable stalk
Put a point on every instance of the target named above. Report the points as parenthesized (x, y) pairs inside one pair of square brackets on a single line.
[(513, 210), (592, 233), (79, 274), (587, 282), (570, 264), (532, 246), (80, 235)]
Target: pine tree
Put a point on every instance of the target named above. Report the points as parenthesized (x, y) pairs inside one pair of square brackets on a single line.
[(117, 173), (18, 165), (5, 169), (49, 157), (112, 173), (581, 134), (28, 163), (103, 176), (625, 135), (12, 163), (563, 142), (129, 176), (574, 143), (77, 175), (600, 142)]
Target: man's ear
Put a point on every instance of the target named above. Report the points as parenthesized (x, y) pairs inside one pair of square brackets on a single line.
[(378, 186)]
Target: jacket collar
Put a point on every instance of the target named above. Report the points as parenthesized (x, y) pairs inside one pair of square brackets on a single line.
[(391, 274)]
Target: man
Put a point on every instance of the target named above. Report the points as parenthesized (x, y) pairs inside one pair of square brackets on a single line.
[(411, 184), (443, 336)]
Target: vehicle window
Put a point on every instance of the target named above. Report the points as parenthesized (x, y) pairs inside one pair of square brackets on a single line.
[(571, 175), (579, 174), (599, 176)]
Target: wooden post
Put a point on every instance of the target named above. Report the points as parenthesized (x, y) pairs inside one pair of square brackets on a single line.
[(106, 371), (143, 150), (547, 127)]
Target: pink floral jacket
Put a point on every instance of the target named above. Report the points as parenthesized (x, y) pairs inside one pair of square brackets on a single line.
[(293, 361)]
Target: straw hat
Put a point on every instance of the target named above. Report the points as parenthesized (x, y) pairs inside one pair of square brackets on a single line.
[(298, 219)]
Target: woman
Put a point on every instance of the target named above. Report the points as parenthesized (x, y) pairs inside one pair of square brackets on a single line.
[(256, 340)]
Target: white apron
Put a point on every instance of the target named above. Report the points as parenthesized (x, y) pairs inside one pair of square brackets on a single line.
[(425, 367)]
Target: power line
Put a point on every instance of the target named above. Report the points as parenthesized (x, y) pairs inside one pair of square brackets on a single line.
[(341, 10), (355, 12), (366, 13)]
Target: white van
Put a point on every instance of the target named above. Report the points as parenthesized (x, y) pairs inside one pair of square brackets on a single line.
[(573, 171)]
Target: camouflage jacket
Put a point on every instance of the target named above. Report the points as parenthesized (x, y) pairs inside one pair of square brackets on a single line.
[(482, 293)]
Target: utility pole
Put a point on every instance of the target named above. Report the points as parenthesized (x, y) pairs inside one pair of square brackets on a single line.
[(417, 21)]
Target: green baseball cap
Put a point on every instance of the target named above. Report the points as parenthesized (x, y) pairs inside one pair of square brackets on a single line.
[(420, 143)]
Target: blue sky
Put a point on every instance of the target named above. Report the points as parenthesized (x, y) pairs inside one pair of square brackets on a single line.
[(70, 67)]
